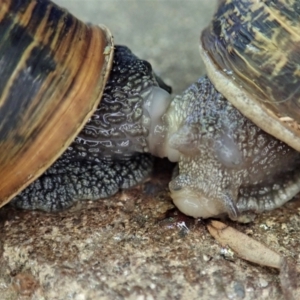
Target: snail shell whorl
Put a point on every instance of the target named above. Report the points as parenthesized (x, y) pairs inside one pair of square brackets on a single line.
[(252, 53), (52, 68)]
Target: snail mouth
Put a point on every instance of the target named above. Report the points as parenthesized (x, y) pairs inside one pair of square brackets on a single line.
[(193, 204)]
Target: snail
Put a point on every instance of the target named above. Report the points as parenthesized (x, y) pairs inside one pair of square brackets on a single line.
[(240, 134), (81, 116), (54, 70)]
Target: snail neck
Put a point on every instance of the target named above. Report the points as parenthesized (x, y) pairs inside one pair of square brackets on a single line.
[(157, 106), (130, 117)]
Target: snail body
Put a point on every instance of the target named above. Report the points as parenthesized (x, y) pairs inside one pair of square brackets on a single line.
[(229, 165), (248, 161)]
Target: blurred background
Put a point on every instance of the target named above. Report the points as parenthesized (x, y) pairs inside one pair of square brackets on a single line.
[(166, 33)]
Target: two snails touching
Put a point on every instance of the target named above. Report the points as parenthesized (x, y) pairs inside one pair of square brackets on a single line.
[(80, 117)]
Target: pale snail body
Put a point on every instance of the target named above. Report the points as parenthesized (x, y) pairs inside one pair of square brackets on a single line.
[(137, 116), (229, 165)]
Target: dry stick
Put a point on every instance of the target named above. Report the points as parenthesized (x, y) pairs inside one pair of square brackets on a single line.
[(254, 251), (246, 247)]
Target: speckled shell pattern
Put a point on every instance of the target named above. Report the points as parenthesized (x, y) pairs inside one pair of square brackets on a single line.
[(52, 71), (256, 44)]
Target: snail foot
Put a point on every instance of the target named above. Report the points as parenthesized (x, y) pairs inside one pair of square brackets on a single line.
[(269, 197), (68, 181)]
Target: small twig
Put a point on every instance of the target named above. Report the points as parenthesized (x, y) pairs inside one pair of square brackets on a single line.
[(254, 251), (245, 247)]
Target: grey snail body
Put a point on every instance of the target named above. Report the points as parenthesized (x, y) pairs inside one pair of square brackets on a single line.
[(229, 166)]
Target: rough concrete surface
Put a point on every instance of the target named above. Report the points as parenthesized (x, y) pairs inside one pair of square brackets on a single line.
[(136, 245)]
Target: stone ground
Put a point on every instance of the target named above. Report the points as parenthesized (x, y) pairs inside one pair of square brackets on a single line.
[(136, 245)]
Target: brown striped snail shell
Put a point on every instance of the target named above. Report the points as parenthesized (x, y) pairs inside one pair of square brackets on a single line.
[(61, 89), (251, 50)]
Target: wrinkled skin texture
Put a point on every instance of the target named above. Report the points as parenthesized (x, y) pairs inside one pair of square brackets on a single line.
[(227, 165)]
